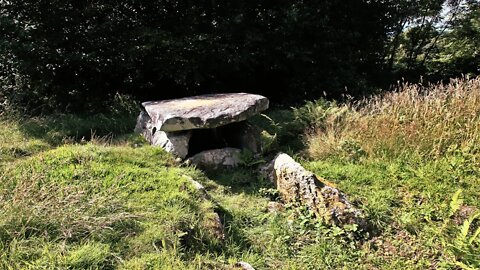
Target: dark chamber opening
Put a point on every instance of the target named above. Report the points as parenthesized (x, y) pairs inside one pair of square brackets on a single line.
[(216, 138)]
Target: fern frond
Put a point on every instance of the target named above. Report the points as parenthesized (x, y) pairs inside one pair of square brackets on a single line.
[(456, 202)]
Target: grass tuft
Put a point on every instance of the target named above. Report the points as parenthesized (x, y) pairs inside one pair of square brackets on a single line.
[(428, 121)]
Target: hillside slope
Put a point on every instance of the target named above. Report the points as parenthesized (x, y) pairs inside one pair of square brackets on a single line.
[(77, 193)]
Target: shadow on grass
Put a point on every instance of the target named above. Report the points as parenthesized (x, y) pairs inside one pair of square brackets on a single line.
[(233, 233), (56, 129), (239, 180), (234, 181)]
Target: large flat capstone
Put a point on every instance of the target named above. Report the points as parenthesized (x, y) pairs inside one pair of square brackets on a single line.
[(206, 111)]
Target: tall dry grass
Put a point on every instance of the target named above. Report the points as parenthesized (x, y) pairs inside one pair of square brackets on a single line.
[(415, 119)]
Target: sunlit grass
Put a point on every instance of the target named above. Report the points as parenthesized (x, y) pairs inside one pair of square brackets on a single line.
[(85, 193), (428, 121), (405, 157)]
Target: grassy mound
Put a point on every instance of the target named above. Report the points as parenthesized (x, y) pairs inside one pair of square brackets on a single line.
[(409, 160), (97, 207), (112, 205), (22, 137)]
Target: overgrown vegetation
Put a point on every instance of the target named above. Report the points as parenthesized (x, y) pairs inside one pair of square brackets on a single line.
[(74, 56), (408, 159), (80, 191), (426, 121), (405, 155), (92, 206)]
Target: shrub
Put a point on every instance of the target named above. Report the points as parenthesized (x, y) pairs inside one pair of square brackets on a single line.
[(72, 55)]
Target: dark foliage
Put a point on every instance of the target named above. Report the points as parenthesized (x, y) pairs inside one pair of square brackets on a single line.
[(70, 53), (76, 54)]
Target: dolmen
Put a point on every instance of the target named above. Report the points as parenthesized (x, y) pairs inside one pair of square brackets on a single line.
[(208, 130)]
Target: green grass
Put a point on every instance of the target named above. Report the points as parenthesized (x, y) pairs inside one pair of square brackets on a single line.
[(90, 206), (14, 144), (21, 136), (410, 159), (70, 200), (410, 204), (98, 205)]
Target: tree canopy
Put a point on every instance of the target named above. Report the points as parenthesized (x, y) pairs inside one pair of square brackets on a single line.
[(72, 53)]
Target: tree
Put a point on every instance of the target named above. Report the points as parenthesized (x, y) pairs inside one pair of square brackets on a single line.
[(72, 53), (437, 40), (458, 50)]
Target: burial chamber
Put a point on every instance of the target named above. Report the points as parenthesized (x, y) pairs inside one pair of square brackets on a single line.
[(203, 125)]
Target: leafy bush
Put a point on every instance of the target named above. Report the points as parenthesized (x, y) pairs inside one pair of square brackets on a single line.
[(71, 55), (318, 113)]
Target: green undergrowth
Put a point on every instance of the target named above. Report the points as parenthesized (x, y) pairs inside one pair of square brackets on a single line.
[(24, 136), (410, 160), (119, 204), (85, 193), (425, 213), (90, 206), (281, 131)]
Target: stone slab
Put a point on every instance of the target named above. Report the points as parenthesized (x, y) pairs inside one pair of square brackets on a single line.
[(217, 158), (205, 111), (173, 142)]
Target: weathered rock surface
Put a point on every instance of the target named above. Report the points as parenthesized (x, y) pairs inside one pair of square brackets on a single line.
[(206, 111), (215, 226), (199, 187), (188, 126), (216, 158), (249, 137), (244, 266), (173, 142), (296, 184), (144, 126)]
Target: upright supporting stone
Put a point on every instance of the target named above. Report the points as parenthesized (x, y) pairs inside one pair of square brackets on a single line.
[(144, 126), (173, 142), (249, 137)]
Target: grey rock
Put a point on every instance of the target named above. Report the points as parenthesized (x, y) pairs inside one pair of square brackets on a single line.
[(215, 226), (244, 266), (172, 123), (216, 158), (144, 126), (249, 136), (199, 187), (173, 142), (206, 111), (296, 184)]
